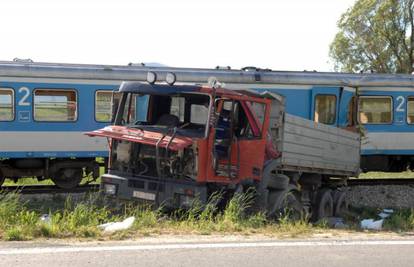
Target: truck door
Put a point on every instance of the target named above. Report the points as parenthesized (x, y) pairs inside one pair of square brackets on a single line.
[(238, 145)]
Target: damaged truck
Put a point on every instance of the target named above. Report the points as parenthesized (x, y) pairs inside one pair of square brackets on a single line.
[(172, 144)]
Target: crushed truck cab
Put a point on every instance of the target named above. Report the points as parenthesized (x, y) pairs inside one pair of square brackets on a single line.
[(171, 144)]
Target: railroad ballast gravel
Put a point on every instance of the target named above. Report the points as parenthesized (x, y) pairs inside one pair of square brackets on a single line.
[(381, 196)]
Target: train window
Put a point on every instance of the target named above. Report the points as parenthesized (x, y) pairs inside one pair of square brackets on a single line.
[(55, 105), (103, 105), (375, 109), (410, 110), (325, 109), (6, 104)]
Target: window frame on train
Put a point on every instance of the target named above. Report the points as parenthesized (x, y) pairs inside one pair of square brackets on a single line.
[(56, 90), (335, 108), (13, 106), (410, 98), (111, 92), (391, 110)]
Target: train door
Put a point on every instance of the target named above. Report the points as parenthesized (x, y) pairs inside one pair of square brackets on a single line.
[(23, 104), (325, 105), (347, 107)]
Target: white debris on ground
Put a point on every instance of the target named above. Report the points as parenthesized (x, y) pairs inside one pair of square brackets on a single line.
[(385, 213), (117, 226), (45, 218), (336, 222), (372, 224), (381, 196)]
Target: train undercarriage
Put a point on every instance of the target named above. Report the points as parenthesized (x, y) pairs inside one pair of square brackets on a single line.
[(65, 173), (387, 163)]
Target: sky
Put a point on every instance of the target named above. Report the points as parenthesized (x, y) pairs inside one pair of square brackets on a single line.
[(275, 34)]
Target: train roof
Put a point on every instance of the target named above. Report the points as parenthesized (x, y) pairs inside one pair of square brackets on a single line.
[(250, 75), (163, 89), (146, 88)]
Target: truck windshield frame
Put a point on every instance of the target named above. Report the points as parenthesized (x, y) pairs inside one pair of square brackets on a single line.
[(166, 111)]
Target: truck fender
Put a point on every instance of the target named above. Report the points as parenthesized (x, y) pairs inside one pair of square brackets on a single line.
[(271, 180)]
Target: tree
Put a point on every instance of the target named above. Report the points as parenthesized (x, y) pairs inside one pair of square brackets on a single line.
[(375, 35)]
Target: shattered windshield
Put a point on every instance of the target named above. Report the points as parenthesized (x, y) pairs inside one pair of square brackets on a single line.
[(185, 114)]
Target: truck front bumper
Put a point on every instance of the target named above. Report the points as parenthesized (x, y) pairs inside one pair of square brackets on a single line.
[(167, 192)]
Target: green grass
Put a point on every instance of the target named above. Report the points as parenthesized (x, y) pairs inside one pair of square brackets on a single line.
[(80, 219), (22, 221), (406, 174), (34, 181), (400, 221)]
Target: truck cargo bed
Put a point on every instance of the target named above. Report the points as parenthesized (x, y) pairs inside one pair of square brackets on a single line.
[(314, 147)]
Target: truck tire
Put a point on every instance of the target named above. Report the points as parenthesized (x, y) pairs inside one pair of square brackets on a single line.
[(68, 178), (283, 203), (277, 181), (341, 204), (2, 178), (323, 206)]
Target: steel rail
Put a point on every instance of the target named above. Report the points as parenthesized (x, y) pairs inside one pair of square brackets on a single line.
[(48, 189), (380, 181), (53, 189)]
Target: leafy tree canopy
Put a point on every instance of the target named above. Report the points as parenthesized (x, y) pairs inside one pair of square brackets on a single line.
[(375, 35)]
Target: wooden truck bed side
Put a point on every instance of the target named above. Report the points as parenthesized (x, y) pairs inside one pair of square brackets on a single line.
[(318, 148)]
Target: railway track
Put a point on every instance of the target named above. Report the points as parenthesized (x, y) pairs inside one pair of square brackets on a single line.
[(380, 181), (48, 189), (52, 189)]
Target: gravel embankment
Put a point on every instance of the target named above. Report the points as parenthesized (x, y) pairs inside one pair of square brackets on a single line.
[(381, 196)]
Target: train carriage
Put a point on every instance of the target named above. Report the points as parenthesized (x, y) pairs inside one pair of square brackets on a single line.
[(387, 114), (45, 108), (42, 123)]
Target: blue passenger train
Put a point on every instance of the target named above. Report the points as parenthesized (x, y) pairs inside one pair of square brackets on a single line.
[(46, 107)]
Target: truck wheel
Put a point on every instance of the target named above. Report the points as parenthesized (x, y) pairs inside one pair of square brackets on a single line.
[(323, 207), (2, 178), (283, 203), (277, 181), (341, 204), (68, 178)]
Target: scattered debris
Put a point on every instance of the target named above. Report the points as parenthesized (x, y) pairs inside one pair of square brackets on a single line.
[(117, 226), (336, 222), (385, 213), (372, 224), (45, 218)]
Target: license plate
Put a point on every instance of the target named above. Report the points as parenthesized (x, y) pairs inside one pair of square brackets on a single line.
[(144, 195)]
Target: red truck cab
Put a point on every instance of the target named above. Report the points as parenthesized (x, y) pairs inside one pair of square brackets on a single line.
[(187, 142)]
